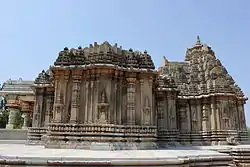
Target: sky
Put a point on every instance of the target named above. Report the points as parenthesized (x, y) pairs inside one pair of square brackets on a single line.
[(33, 32)]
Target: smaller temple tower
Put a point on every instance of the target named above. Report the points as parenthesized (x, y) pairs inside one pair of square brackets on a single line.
[(43, 107)]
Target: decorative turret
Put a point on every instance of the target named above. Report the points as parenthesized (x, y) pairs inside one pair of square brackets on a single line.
[(43, 78), (132, 59), (198, 42), (104, 53), (70, 57), (198, 49), (146, 61)]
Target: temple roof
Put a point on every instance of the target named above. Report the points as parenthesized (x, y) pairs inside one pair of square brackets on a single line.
[(201, 73), (16, 86), (105, 53), (43, 78)]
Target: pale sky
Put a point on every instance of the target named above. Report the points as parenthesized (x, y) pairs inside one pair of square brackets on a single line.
[(32, 32)]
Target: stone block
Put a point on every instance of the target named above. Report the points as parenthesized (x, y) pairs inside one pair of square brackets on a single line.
[(13, 134)]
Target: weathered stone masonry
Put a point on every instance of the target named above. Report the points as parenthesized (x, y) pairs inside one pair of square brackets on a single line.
[(104, 94)]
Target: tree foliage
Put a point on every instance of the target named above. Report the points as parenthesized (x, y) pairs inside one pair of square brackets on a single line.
[(4, 115)]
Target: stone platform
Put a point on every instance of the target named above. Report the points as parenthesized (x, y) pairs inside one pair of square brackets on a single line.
[(26, 155), (13, 134)]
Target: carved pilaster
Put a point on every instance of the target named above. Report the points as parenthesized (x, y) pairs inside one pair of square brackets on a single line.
[(204, 117), (75, 98), (213, 115), (49, 109), (115, 80), (194, 115), (91, 98), (242, 115), (37, 114), (152, 116), (97, 95), (141, 100), (199, 113), (120, 99), (64, 90), (131, 100), (161, 118), (86, 117), (171, 97), (188, 117), (58, 106)]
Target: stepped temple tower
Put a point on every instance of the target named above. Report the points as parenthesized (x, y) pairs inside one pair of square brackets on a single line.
[(105, 97)]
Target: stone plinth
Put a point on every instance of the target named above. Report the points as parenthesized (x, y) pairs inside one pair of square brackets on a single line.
[(191, 138), (104, 137), (35, 135), (168, 138)]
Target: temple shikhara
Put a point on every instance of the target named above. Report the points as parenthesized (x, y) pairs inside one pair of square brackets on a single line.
[(103, 96)]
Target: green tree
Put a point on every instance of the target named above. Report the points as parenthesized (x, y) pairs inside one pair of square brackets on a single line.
[(18, 120), (4, 115)]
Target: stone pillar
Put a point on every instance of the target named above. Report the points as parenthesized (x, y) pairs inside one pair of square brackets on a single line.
[(75, 98), (26, 120), (13, 107), (26, 108), (12, 117), (131, 100)]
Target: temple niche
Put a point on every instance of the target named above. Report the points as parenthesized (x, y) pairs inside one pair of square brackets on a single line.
[(106, 97)]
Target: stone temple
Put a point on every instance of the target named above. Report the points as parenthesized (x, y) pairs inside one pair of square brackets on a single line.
[(103, 96)]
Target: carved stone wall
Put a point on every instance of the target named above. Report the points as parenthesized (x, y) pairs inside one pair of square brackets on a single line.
[(42, 113), (192, 102), (105, 96)]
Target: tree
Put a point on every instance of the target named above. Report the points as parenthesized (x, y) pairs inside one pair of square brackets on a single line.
[(4, 115), (19, 120)]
